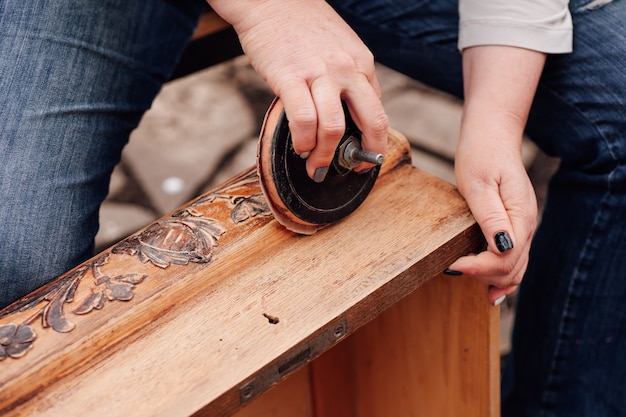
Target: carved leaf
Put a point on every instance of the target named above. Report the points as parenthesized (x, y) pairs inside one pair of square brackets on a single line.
[(185, 237), (249, 207), (119, 291), (131, 278), (94, 301), (52, 314), (247, 179), (178, 240)]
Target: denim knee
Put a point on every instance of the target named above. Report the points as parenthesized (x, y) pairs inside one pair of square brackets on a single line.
[(75, 79)]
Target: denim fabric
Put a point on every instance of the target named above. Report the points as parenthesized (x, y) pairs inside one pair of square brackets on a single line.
[(569, 343), (75, 79)]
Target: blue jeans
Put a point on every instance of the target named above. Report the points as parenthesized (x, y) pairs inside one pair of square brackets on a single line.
[(569, 342), (75, 79)]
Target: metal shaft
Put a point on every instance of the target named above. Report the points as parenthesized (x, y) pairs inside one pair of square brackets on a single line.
[(365, 156), (351, 155)]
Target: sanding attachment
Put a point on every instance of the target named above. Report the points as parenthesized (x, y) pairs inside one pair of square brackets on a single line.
[(299, 203)]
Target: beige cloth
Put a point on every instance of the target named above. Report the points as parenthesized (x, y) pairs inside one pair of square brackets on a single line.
[(540, 25)]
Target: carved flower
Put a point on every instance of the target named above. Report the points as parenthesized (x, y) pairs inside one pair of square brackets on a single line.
[(178, 240), (108, 288), (15, 340)]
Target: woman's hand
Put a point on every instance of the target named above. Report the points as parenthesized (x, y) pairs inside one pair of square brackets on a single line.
[(312, 60), (500, 83), (493, 181)]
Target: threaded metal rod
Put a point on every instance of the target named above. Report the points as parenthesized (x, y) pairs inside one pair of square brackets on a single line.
[(365, 156)]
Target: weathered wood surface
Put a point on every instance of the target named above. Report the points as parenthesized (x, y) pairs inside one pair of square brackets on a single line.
[(205, 308), (209, 23), (434, 353)]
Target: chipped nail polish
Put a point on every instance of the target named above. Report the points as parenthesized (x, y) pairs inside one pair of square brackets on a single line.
[(452, 272), (320, 174), (503, 241), (499, 301)]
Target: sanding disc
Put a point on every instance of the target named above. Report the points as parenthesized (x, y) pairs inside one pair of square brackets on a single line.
[(299, 203)]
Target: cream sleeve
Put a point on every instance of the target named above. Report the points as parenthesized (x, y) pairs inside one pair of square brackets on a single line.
[(541, 25)]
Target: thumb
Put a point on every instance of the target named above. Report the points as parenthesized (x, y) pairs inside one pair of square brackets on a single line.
[(490, 213)]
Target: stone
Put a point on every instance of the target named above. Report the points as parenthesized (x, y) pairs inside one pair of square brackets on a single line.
[(193, 124)]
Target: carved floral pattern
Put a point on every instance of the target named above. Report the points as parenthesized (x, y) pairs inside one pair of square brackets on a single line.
[(108, 288), (178, 240), (187, 236), (15, 340)]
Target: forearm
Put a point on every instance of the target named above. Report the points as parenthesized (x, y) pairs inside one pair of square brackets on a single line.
[(311, 58), (500, 84), (234, 10), (243, 14)]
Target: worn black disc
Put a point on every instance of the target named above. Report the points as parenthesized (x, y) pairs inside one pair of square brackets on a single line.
[(341, 192)]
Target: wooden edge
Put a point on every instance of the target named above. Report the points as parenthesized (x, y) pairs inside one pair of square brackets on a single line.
[(55, 329), (347, 324), (433, 353), (240, 349), (209, 23)]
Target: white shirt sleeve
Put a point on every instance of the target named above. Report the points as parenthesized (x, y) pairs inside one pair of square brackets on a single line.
[(541, 25)]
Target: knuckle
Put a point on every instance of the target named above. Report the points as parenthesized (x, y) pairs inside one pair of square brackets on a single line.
[(303, 120), (325, 154), (511, 272), (517, 279), (380, 123), (365, 60), (508, 266), (493, 219), (332, 130)]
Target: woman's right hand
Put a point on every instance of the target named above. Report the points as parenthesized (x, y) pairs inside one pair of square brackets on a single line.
[(312, 60)]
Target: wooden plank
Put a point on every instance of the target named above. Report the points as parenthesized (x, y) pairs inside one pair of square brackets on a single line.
[(208, 24), (432, 354), (235, 301), (290, 398)]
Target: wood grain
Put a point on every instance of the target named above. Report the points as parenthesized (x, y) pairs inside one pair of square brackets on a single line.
[(434, 353), (209, 23), (186, 329)]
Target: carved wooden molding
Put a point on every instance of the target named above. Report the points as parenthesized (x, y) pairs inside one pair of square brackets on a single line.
[(86, 315), (140, 265), (190, 235)]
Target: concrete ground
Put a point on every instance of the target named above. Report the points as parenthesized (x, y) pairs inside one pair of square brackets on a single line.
[(202, 129)]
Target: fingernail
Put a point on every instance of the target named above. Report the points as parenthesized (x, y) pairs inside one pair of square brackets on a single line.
[(503, 241), (320, 174), (499, 301), (365, 171), (452, 272), (305, 155)]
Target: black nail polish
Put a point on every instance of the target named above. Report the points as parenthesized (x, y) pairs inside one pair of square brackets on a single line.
[(452, 272), (503, 241), (365, 171), (320, 174)]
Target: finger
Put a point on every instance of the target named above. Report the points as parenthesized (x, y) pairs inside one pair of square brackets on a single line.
[(501, 281), (301, 114), (493, 269), (331, 126), (370, 117), (490, 213), (498, 295)]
